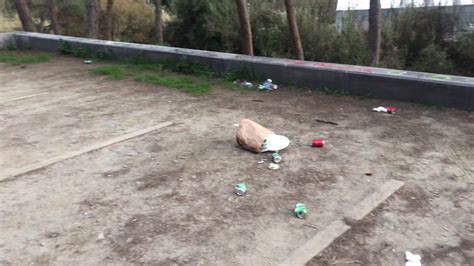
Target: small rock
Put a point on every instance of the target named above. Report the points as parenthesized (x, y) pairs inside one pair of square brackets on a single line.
[(53, 235), (194, 177)]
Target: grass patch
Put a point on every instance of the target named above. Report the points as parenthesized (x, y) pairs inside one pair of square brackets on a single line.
[(180, 83), (113, 72), (153, 73), (20, 59), (182, 66)]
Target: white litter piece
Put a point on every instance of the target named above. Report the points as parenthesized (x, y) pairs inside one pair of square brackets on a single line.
[(380, 109), (276, 143), (388, 109), (412, 259), (262, 161), (236, 125), (268, 86), (273, 166), (246, 84)]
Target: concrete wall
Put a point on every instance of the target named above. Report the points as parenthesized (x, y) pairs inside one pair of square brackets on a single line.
[(7, 40), (434, 89)]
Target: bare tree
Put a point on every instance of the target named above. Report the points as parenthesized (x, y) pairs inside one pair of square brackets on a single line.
[(109, 20), (245, 29), (92, 18), (295, 34), (158, 22), (53, 15), (375, 31), (25, 15)]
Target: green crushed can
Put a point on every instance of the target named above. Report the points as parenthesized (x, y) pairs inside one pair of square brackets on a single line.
[(300, 210), (240, 189), (276, 157)]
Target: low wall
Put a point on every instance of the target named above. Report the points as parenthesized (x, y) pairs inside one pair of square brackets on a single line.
[(434, 89), (7, 40)]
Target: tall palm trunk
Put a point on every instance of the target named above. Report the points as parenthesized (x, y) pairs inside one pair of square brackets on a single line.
[(53, 15), (295, 34), (109, 20), (158, 22), (375, 31), (245, 29), (92, 18), (24, 14)]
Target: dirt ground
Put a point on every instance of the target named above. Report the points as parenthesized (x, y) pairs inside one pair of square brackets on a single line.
[(166, 197)]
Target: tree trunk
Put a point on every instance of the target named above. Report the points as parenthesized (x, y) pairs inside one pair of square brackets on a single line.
[(92, 18), (295, 34), (245, 29), (375, 31), (158, 22), (24, 14), (109, 17), (53, 15)]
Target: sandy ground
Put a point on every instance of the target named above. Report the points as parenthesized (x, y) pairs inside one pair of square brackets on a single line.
[(166, 197)]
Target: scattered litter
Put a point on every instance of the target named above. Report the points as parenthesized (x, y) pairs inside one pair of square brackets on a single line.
[(236, 125), (240, 189), (87, 62), (268, 86), (246, 84), (257, 138), (262, 161), (257, 100), (275, 142), (300, 210), (412, 259), (326, 122), (276, 157), (273, 166), (101, 236), (368, 174), (388, 109), (318, 143)]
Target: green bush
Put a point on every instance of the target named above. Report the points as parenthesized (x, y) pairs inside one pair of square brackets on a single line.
[(461, 51), (433, 59)]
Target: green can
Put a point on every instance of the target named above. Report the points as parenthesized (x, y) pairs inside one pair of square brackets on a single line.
[(240, 189), (276, 157), (300, 210)]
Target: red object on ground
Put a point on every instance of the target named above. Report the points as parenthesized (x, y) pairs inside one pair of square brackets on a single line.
[(390, 109), (317, 143)]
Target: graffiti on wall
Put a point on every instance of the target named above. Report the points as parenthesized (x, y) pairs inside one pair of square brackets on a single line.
[(370, 70)]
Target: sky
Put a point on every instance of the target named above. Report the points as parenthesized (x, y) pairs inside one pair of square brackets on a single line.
[(364, 4)]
